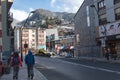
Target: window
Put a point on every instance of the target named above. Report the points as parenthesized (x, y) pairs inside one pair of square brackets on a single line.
[(33, 44), (25, 35), (117, 14), (25, 30), (33, 35), (102, 19), (101, 5), (33, 31), (33, 40), (116, 1)]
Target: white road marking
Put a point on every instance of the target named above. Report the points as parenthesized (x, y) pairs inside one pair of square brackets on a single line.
[(92, 67)]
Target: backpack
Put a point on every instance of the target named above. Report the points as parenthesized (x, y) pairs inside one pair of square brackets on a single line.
[(15, 61)]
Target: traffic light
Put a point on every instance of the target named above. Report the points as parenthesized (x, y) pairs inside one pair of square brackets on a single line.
[(25, 45)]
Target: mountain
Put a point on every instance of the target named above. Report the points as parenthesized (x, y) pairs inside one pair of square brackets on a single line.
[(42, 14), (66, 16)]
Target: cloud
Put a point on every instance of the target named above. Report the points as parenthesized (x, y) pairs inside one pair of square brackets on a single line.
[(53, 2), (19, 14), (31, 9), (68, 5)]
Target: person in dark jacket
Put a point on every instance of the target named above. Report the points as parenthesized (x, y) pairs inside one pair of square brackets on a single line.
[(30, 61)]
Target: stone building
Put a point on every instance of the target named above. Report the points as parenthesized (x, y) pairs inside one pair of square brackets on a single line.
[(97, 27), (108, 25), (85, 31)]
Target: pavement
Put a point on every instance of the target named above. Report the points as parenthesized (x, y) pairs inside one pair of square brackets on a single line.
[(23, 74), (39, 76), (102, 59)]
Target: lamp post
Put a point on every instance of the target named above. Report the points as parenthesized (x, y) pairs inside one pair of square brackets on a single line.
[(22, 34), (103, 40)]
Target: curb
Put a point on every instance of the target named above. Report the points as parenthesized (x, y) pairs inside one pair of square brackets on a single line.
[(100, 59)]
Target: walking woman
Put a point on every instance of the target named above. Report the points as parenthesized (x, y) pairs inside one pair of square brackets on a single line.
[(15, 63)]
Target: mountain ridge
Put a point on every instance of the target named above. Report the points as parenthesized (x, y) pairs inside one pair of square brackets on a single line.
[(42, 14)]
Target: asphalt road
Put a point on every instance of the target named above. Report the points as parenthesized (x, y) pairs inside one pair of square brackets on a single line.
[(72, 69)]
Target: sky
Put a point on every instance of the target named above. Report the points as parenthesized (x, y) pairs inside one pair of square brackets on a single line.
[(21, 8)]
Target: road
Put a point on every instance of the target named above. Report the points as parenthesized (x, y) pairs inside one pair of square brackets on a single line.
[(72, 69)]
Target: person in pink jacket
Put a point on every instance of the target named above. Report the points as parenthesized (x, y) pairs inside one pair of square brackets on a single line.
[(15, 63)]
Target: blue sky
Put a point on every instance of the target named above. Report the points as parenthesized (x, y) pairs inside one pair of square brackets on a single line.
[(21, 8)]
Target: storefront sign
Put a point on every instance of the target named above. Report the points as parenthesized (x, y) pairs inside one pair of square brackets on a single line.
[(109, 29)]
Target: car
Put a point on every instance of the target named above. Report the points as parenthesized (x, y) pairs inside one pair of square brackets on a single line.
[(41, 52), (51, 53)]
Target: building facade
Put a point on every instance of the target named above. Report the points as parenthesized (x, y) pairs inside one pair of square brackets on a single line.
[(51, 38), (109, 25), (85, 31), (102, 23), (7, 36), (0, 31), (35, 38)]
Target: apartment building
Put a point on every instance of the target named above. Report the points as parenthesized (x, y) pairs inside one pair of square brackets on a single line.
[(35, 38), (41, 39), (109, 25), (97, 23)]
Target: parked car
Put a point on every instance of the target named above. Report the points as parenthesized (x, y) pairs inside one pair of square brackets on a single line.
[(51, 53), (42, 52)]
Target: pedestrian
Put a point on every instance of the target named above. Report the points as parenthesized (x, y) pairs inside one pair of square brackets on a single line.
[(30, 61), (15, 63), (107, 54)]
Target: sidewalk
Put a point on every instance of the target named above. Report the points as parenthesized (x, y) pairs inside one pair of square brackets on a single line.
[(100, 59), (23, 74)]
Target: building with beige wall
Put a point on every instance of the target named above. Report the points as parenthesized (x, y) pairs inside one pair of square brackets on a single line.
[(34, 37)]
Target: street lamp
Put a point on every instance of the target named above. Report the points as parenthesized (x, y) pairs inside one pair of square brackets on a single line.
[(103, 41), (93, 6), (21, 32)]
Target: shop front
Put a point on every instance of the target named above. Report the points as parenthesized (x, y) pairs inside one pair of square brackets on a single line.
[(109, 35), (113, 43)]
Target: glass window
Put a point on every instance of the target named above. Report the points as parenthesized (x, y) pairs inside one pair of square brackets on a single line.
[(102, 19), (101, 5), (33, 35), (116, 1), (117, 14)]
